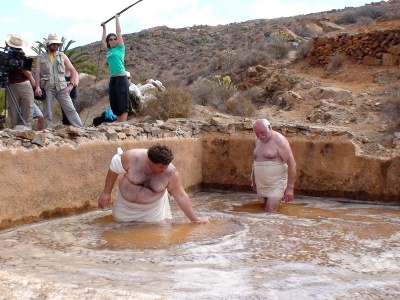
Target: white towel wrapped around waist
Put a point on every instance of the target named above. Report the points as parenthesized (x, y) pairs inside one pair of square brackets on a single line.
[(125, 211), (270, 177)]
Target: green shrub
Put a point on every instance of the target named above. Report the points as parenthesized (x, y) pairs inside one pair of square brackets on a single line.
[(2, 100)]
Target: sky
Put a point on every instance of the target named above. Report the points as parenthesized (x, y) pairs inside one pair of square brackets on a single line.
[(80, 20)]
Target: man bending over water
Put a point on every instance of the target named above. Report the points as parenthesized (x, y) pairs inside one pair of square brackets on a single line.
[(142, 195), (274, 167)]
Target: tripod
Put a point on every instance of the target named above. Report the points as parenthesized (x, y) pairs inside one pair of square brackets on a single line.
[(14, 100)]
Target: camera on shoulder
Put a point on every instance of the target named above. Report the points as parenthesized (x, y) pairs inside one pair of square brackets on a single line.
[(11, 58)]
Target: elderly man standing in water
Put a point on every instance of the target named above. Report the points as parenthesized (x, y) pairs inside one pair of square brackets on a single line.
[(274, 167), (142, 195)]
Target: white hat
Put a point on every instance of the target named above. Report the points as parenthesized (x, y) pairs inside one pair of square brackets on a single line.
[(128, 74), (15, 41), (53, 39)]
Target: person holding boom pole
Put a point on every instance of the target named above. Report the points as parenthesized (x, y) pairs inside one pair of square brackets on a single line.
[(119, 84)]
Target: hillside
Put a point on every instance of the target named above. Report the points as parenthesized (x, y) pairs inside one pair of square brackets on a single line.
[(363, 98)]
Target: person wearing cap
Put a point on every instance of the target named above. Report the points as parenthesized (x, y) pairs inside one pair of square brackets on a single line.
[(119, 84), (274, 167), (51, 67), (21, 82)]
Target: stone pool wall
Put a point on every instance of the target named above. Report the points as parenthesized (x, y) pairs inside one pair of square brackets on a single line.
[(62, 171)]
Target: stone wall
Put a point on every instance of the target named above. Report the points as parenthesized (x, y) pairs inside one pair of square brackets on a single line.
[(326, 166), (376, 47), (62, 171), (54, 181)]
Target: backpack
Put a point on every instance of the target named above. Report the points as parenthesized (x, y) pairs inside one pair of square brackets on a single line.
[(106, 116)]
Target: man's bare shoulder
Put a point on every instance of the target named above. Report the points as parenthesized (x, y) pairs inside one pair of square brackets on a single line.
[(279, 138), (134, 153)]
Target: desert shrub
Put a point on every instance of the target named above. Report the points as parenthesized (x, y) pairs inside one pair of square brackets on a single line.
[(213, 92), (173, 103), (230, 58), (223, 89), (241, 107), (255, 57), (303, 49), (372, 12), (365, 21), (279, 46), (304, 32), (279, 51), (254, 96), (392, 94), (347, 18), (202, 92), (335, 63)]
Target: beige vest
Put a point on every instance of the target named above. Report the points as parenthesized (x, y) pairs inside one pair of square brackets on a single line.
[(52, 75)]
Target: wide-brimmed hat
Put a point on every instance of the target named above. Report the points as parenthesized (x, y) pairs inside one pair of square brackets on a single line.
[(53, 39), (15, 41)]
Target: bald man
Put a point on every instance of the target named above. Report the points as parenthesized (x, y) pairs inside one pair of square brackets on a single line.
[(274, 167)]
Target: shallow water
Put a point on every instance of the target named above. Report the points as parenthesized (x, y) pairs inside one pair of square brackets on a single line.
[(313, 248)]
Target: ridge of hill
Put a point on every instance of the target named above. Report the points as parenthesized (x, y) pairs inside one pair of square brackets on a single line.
[(178, 57)]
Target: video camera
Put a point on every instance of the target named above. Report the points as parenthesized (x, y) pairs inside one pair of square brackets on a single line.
[(12, 59)]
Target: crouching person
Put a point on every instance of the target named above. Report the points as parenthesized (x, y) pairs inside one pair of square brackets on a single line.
[(142, 194)]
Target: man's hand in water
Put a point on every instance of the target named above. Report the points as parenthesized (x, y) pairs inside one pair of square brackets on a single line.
[(104, 200), (201, 220)]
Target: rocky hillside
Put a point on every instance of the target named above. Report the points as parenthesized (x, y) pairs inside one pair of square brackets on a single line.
[(288, 86)]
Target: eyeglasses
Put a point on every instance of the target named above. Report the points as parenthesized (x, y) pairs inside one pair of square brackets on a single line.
[(112, 39)]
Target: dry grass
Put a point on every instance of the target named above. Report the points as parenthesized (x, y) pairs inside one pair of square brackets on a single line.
[(173, 103)]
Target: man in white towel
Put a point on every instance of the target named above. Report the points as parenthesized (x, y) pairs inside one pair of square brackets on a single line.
[(274, 167), (147, 177)]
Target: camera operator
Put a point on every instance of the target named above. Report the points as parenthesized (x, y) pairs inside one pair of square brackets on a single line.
[(21, 82)]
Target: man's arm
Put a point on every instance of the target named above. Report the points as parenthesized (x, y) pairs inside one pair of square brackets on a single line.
[(285, 152), (30, 77), (38, 91), (71, 68), (105, 197), (181, 197)]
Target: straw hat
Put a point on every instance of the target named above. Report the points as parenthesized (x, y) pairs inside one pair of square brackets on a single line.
[(15, 41), (53, 39)]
